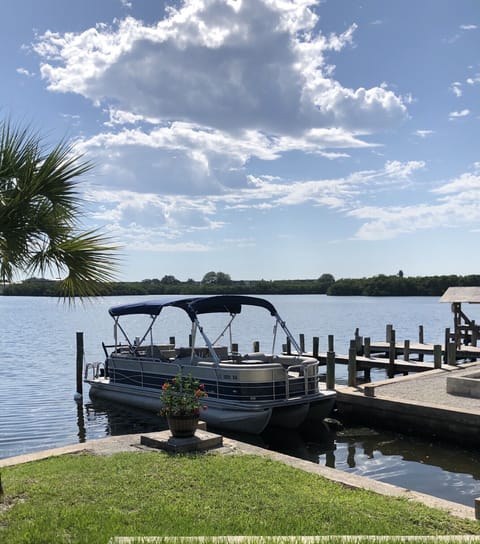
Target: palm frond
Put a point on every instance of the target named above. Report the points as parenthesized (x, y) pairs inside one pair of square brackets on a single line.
[(40, 209)]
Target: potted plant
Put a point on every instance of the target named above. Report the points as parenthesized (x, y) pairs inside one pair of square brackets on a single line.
[(182, 400)]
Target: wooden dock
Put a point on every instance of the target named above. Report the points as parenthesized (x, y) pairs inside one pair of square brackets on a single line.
[(389, 355), (362, 363), (463, 352)]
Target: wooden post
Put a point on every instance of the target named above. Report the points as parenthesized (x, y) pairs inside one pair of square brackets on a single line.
[(352, 365), (421, 340), (315, 346), (406, 350), (289, 346), (359, 345), (302, 343), (331, 341), (80, 355), (256, 346), (446, 342), (437, 356), (172, 340), (388, 333), (366, 349), (391, 355), (474, 334), (330, 381), (452, 354)]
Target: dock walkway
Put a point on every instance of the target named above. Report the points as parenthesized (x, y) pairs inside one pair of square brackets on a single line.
[(417, 403)]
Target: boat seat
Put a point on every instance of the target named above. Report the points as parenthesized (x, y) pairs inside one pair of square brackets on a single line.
[(221, 351), (163, 352), (257, 356)]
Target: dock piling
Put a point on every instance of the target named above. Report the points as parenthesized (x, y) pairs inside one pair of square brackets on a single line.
[(451, 352), (315, 346), (437, 356), (447, 341), (352, 364), (79, 369), (330, 370), (406, 350), (366, 348), (421, 340), (391, 354), (474, 334)]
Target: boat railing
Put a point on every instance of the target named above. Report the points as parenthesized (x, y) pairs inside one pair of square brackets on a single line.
[(97, 370)]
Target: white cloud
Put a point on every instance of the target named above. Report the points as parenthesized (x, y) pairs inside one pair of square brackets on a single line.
[(456, 88), (465, 182), (424, 133), (458, 205), (25, 72), (458, 114), (474, 80), (469, 27), (265, 61), (190, 101), (174, 217)]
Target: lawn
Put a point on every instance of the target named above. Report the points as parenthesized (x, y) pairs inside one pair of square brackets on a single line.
[(84, 498)]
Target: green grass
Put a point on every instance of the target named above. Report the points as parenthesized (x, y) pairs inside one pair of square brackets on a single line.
[(88, 499)]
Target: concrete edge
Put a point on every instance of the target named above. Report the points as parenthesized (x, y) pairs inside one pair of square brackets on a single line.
[(355, 481), (407, 404), (131, 443)]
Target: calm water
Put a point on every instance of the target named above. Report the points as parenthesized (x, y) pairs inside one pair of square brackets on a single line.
[(37, 383)]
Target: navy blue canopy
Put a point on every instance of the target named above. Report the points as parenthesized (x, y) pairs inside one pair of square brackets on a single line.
[(193, 305)]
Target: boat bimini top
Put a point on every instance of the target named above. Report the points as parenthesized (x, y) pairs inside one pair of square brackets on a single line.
[(231, 304), (193, 306)]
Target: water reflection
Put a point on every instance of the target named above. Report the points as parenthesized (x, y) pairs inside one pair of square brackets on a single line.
[(104, 419), (82, 431)]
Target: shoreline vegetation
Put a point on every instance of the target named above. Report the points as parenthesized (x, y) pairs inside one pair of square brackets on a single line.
[(221, 283)]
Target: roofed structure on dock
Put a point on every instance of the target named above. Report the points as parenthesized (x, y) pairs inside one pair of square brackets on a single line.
[(462, 294), (466, 331)]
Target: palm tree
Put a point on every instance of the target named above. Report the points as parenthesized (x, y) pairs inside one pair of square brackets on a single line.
[(40, 210)]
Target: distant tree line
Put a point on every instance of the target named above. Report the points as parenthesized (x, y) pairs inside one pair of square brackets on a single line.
[(221, 283)]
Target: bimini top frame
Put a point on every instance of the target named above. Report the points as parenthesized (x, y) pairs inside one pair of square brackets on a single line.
[(194, 306)]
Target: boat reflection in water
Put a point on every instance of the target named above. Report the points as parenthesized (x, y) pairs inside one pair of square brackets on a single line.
[(441, 470)]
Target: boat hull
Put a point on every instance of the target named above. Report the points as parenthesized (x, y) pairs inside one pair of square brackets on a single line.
[(236, 417)]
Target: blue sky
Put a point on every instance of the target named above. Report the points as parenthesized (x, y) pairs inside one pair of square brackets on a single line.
[(266, 139)]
